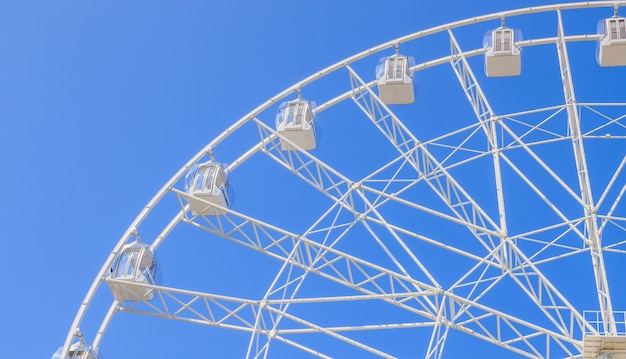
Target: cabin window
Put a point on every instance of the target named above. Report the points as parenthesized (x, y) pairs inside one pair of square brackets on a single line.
[(219, 178), (617, 29), (396, 68), (208, 180), (200, 178), (297, 112), (191, 177), (127, 263), (502, 40)]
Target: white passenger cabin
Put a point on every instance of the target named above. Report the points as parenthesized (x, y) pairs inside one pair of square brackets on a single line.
[(135, 263), (395, 79), (208, 182), (611, 50), (503, 56), (79, 350), (295, 122)]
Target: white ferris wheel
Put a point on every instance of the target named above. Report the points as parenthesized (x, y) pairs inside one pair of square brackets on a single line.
[(458, 190)]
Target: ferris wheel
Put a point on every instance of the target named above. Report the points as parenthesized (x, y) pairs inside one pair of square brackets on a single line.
[(456, 190)]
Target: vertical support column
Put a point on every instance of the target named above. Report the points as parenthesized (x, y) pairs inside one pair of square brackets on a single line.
[(591, 222)]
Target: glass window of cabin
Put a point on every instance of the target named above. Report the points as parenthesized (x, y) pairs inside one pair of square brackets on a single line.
[(503, 40), (395, 68), (287, 115), (89, 354), (200, 178), (308, 114), (613, 29), (219, 178), (147, 265), (84, 354), (145, 260), (287, 120), (225, 188), (301, 112), (210, 174), (297, 112), (617, 29), (130, 259), (390, 66), (191, 177), (126, 263), (122, 264), (406, 67), (399, 68)]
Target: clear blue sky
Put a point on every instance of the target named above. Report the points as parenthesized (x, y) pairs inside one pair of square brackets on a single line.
[(102, 102)]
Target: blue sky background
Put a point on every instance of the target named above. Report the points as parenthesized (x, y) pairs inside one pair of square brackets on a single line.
[(102, 102)]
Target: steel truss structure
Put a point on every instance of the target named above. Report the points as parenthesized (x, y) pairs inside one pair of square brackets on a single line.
[(492, 222)]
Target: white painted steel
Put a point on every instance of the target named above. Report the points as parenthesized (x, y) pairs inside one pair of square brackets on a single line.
[(435, 305)]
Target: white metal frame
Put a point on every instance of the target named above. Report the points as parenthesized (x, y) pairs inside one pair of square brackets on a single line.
[(429, 305)]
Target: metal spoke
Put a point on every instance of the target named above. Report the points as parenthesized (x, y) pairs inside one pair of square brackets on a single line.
[(593, 239)]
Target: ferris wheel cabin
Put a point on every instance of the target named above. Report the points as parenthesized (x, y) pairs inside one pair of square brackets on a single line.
[(79, 350), (503, 56), (208, 184), (135, 263), (295, 122), (395, 80), (611, 50)]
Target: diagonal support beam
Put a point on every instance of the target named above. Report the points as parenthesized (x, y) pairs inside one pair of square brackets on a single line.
[(458, 201), (318, 258), (373, 281), (488, 119), (234, 313), (593, 238)]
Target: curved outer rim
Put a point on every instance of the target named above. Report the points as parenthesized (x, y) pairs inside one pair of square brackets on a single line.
[(292, 89)]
